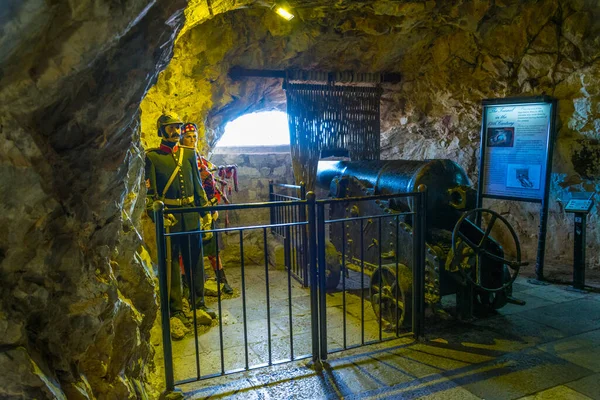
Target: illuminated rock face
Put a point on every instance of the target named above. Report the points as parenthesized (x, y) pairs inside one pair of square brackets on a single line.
[(451, 56), (76, 302)]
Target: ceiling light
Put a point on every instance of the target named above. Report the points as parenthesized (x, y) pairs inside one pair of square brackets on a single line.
[(283, 10)]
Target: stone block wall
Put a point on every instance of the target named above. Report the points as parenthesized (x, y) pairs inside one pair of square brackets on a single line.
[(256, 166)]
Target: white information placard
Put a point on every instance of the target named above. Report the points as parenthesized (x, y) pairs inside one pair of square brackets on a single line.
[(515, 138)]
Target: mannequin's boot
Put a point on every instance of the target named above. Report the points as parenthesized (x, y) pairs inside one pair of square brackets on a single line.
[(201, 306), (221, 277)]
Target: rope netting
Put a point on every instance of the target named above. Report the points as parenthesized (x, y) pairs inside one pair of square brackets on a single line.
[(331, 117)]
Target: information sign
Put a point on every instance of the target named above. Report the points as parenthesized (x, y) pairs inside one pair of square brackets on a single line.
[(579, 206), (515, 162), (515, 150)]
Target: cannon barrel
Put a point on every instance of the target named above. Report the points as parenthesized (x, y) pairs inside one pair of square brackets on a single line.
[(449, 190)]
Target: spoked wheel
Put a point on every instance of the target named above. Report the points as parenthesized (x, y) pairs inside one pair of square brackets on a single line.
[(487, 301), (390, 297), (480, 250)]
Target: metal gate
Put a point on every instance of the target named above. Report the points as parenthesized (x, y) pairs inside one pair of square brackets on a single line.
[(282, 296), (297, 235)]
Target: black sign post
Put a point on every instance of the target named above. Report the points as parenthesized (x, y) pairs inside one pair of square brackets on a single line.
[(517, 141), (580, 205)]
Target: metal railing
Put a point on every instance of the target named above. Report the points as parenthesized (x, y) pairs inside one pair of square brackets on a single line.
[(314, 223), (162, 236), (317, 241), (297, 234)]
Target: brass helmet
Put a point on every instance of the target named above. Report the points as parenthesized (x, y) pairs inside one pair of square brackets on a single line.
[(167, 119)]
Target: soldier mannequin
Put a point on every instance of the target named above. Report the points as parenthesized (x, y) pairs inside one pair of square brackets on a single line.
[(189, 139), (172, 177)]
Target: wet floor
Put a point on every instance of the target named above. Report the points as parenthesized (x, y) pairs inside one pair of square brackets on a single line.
[(287, 324), (548, 349)]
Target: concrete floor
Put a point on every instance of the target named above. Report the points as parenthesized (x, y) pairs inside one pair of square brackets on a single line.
[(548, 349)]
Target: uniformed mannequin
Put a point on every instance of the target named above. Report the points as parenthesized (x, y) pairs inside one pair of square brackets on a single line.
[(189, 139), (172, 177)]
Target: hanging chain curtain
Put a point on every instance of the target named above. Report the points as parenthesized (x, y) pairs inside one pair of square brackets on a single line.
[(327, 116)]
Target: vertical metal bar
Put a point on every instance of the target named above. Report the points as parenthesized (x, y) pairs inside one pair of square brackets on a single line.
[(344, 281), (277, 215), (362, 284), (322, 268), (296, 247), (396, 249), (380, 278), (268, 295), (482, 147), (192, 289), (287, 256), (539, 265), (423, 240), (416, 264), (216, 237), (303, 238), (314, 304), (419, 263), (245, 319), (159, 209), (286, 232), (579, 251), (271, 214)]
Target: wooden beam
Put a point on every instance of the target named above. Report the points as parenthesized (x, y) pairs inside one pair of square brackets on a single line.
[(237, 73)]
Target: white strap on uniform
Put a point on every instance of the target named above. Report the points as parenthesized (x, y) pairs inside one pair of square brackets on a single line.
[(172, 178)]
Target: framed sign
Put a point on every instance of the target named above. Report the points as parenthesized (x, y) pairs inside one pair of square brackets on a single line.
[(515, 163), (516, 139)]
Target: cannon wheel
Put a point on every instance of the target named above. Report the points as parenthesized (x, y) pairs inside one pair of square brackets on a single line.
[(493, 300), (481, 251), (392, 297)]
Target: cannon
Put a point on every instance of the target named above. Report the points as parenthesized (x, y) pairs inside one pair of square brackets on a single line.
[(459, 253)]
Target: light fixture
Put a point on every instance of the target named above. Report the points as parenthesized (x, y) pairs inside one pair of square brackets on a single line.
[(283, 10)]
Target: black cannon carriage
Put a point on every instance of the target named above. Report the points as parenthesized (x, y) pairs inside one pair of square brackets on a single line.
[(459, 253)]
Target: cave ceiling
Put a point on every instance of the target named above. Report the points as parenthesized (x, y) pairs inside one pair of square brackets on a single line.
[(413, 38), (450, 54)]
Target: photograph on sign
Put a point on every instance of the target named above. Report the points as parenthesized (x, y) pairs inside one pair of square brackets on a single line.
[(501, 137), (523, 176)]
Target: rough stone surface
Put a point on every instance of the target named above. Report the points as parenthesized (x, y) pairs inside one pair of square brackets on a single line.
[(178, 329), (451, 56), (78, 300)]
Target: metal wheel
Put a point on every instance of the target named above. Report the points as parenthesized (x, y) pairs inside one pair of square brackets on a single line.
[(390, 297), (493, 300), (481, 251)]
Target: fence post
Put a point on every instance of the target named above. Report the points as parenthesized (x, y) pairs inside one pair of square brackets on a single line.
[(303, 239), (312, 253), (271, 210), (322, 267), (159, 222), (419, 240)]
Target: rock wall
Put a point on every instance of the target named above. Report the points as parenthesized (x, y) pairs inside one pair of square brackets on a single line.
[(76, 299), (451, 56), (77, 302), (509, 49)]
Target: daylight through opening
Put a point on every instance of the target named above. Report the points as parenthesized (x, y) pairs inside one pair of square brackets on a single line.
[(269, 128)]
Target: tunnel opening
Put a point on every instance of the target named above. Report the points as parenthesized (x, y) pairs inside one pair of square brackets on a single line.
[(259, 129)]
